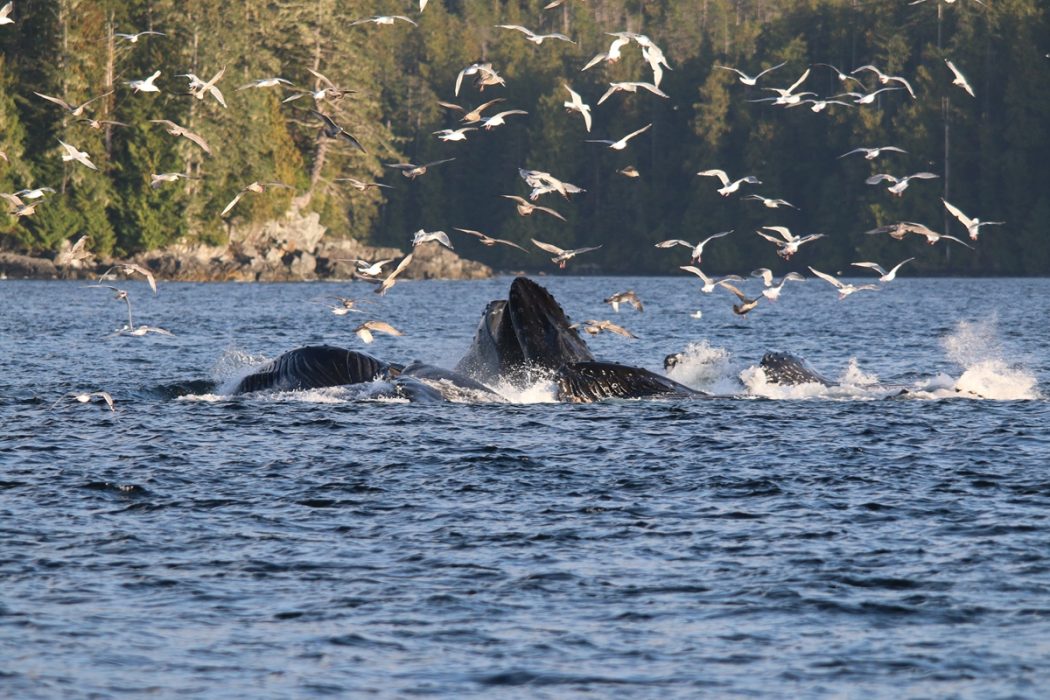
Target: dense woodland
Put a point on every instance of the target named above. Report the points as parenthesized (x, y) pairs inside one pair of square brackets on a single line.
[(992, 151)]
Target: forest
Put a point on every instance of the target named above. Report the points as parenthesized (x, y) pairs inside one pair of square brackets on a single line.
[(990, 151)]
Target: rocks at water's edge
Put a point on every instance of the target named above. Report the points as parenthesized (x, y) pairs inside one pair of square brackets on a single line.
[(292, 249)]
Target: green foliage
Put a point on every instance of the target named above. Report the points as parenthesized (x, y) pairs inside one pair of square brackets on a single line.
[(992, 151)]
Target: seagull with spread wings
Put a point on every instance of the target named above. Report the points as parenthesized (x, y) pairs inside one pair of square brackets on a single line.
[(176, 130), (561, 256), (697, 249)]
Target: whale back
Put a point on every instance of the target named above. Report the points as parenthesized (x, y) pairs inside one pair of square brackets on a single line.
[(586, 382), (314, 367), (790, 370)]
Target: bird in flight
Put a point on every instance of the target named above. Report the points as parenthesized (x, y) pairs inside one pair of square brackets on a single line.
[(72, 153), (710, 284), (772, 291), (145, 85), (361, 184), (844, 289), (628, 297), (422, 236), (526, 208), (176, 130), (769, 202), (728, 187), (134, 38), (885, 79), (884, 276), (383, 19), (488, 240), (899, 183), (391, 279), (533, 36), (973, 226), (74, 110), (256, 187), (333, 131), (364, 331), (959, 79), (631, 87), (873, 153), (788, 243), (697, 249), (747, 79), (576, 104), (412, 171), (595, 327), (746, 303), (561, 256), (622, 143)]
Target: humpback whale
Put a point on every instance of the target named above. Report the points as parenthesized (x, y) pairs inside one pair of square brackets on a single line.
[(521, 339)]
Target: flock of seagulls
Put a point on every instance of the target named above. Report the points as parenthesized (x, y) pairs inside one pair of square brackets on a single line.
[(485, 75)]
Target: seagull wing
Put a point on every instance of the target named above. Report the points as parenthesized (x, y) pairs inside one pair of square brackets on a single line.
[(232, 204), (195, 138), (711, 238), (873, 266), (827, 278), (767, 70), (957, 213), (550, 211), (720, 174), (382, 327), (547, 247), (392, 277), (57, 100), (673, 242)]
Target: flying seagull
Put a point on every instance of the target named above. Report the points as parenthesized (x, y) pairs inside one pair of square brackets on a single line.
[(973, 226), (728, 187), (595, 327), (873, 153), (747, 79), (899, 184), (79, 156), (144, 85), (488, 240), (622, 143), (364, 331), (697, 249), (176, 130), (533, 36), (561, 256), (628, 297), (526, 208), (256, 187), (575, 104), (334, 131), (74, 110), (391, 279), (959, 79), (412, 171), (422, 236), (844, 289), (883, 275), (788, 243)]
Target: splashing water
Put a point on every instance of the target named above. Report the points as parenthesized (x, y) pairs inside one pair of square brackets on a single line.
[(705, 368), (987, 373)]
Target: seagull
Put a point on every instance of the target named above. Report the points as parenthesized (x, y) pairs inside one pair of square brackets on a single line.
[(622, 143), (347, 305), (859, 98), (710, 284), (99, 123), (959, 79), (488, 240), (144, 85), (843, 77), (746, 303), (885, 79), (629, 171), (134, 38), (412, 171), (533, 36), (371, 269), (474, 115), (884, 276), (176, 130), (631, 87), (973, 226), (256, 187), (76, 253), (789, 92), (422, 236), (772, 291), (79, 156), (74, 110), (265, 83), (576, 105), (132, 268), (873, 153), (628, 297), (844, 289), (35, 193), (654, 56), (87, 396), (790, 243), (158, 179), (5, 13), (525, 208), (613, 54), (361, 184), (485, 72), (561, 256), (542, 183), (459, 134), (334, 131), (18, 207), (143, 330), (747, 79), (121, 295), (820, 105), (932, 237), (901, 229), (383, 19), (200, 88), (498, 119), (391, 279), (596, 327), (768, 202), (698, 249), (899, 184), (728, 187), (364, 331)]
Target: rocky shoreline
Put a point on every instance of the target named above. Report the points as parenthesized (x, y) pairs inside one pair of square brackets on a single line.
[(290, 250)]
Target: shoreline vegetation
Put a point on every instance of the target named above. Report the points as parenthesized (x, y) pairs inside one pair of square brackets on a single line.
[(322, 109)]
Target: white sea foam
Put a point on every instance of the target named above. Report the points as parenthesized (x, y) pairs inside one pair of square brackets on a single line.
[(233, 366), (705, 368), (987, 370)]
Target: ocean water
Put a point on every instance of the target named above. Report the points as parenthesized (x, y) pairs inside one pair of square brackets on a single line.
[(772, 542)]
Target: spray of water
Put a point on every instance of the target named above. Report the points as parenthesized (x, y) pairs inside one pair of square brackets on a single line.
[(987, 371)]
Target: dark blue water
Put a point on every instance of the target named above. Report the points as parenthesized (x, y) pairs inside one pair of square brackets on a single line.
[(771, 542)]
